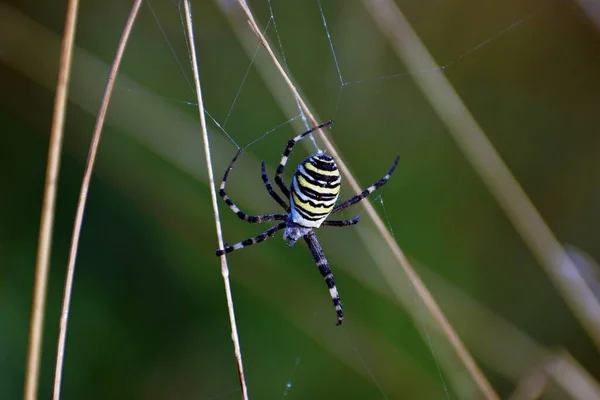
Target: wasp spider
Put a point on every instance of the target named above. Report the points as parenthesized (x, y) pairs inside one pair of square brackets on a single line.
[(312, 196)]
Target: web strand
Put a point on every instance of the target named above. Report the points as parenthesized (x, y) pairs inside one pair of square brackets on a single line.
[(369, 371), (285, 65), (261, 137), (239, 91), (335, 59), (423, 327), (290, 382), (445, 66), (173, 53), (272, 22)]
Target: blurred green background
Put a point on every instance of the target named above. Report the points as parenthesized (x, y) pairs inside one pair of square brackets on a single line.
[(149, 318)]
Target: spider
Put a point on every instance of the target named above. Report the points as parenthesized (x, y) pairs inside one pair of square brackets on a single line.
[(312, 196)]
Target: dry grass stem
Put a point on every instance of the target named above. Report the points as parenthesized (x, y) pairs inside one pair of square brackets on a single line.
[(83, 197), (533, 385), (573, 378), (483, 385), (488, 164), (213, 195), (36, 326), (591, 9), (561, 368)]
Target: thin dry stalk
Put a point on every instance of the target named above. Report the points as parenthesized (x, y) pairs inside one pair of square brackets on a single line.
[(213, 196), (36, 326), (591, 9), (573, 378), (565, 372), (83, 197), (483, 385), (533, 385), (489, 165)]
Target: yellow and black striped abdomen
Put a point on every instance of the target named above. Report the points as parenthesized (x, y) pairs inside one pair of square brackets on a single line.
[(314, 191)]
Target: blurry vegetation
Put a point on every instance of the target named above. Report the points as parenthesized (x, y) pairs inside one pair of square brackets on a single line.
[(149, 318)]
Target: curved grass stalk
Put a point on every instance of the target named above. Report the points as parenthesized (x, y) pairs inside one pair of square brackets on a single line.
[(85, 184)]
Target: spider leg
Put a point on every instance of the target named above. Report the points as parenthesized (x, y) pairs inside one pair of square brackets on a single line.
[(323, 265), (346, 222), (272, 192), (368, 190), (235, 208), (249, 242), (286, 153)]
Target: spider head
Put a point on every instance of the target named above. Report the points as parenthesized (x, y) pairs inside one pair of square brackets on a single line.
[(293, 232)]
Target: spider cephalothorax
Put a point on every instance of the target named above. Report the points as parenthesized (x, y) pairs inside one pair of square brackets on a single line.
[(312, 196)]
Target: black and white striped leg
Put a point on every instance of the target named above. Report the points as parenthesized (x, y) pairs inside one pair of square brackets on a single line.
[(249, 242), (242, 215), (346, 222), (286, 153), (368, 190), (272, 192), (323, 265)]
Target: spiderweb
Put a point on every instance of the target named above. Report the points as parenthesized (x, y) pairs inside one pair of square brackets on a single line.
[(345, 68)]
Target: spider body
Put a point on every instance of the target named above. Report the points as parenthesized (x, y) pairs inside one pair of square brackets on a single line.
[(314, 190), (312, 195)]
